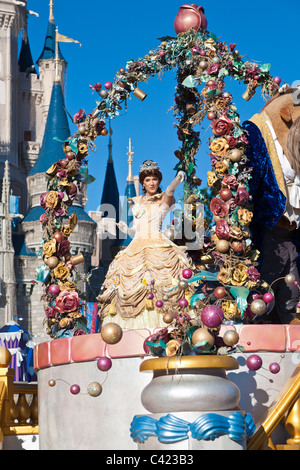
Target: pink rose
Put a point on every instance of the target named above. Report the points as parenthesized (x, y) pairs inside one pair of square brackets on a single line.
[(213, 68), (253, 274), (222, 230), (231, 141), (79, 117), (50, 312), (63, 247), (229, 181), (221, 126), (67, 302), (219, 207), (242, 196)]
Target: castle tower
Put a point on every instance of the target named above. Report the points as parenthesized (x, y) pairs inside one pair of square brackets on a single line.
[(130, 191)]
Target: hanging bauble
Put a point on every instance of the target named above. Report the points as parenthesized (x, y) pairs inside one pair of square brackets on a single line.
[(190, 16), (274, 368), (211, 115), (235, 155), (254, 362), (159, 304), (187, 273), (258, 307), (104, 363), (268, 297), (52, 261), (168, 317), (290, 279), (54, 289), (94, 389), (202, 335), (231, 338), (58, 236), (225, 194), (75, 389), (104, 94), (212, 316), (183, 284), (108, 85), (237, 247), (111, 333), (183, 303), (219, 292), (222, 246), (51, 383)]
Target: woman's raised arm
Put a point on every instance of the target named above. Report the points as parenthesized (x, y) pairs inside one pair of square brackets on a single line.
[(169, 193)]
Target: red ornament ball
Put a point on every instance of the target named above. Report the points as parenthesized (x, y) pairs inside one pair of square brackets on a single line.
[(187, 273), (254, 362), (277, 80), (274, 368), (183, 303), (54, 289), (159, 303), (219, 292), (75, 389), (225, 194), (212, 316), (268, 297), (104, 363), (108, 85)]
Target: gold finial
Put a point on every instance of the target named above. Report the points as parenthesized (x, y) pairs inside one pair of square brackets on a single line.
[(130, 160), (51, 15)]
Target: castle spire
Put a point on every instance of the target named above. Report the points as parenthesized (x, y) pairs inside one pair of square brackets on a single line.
[(130, 155), (49, 51), (51, 14)]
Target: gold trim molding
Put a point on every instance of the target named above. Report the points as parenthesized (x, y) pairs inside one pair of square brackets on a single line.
[(189, 362)]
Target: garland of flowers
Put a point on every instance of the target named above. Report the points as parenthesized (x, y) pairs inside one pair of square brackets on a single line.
[(199, 60)]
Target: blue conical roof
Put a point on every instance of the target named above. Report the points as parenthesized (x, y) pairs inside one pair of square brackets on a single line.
[(110, 194), (57, 126), (49, 46), (25, 58)]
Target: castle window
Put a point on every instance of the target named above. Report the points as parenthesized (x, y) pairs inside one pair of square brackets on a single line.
[(27, 136)]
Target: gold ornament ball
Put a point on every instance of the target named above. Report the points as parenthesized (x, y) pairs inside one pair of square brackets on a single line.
[(183, 284), (235, 155), (52, 383), (52, 262), (111, 333), (168, 317), (231, 338), (222, 246), (5, 357), (258, 307), (94, 389), (201, 334), (290, 279)]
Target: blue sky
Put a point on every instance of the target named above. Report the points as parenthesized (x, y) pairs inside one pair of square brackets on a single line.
[(111, 33)]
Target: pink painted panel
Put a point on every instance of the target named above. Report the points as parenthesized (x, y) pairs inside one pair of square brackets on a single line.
[(43, 355), (293, 337), (131, 344), (60, 350), (263, 337), (87, 347)]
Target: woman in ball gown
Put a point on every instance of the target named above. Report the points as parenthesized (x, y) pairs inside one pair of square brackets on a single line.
[(151, 264)]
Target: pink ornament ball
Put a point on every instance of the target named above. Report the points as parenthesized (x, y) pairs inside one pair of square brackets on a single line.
[(54, 289), (159, 304), (274, 368), (75, 389), (108, 85), (212, 316), (150, 295), (277, 80), (183, 303), (268, 297), (187, 273), (162, 53), (104, 363), (254, 362)]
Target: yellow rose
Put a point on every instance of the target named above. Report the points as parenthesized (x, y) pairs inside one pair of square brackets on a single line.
[(69, 285), (224, 276), (219, 146), (82, 148), (66, 230), (221, 167), (239, 275), (75, 315), (220, 103), (211, 178), (64, 322), (245, 216), (51, 199), (230, 310), (61, 271), (236, 232), (73, 220), (49, 248), (173, 347)]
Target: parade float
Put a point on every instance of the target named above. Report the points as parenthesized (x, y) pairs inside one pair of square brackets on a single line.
[(207, 378)]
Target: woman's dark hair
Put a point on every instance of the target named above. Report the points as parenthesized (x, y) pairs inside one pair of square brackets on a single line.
[(144, 174)]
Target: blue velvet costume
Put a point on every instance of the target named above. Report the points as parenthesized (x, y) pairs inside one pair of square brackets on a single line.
[(279, 247)]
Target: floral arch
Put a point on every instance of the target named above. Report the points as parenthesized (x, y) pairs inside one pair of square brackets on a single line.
[(202, 64)]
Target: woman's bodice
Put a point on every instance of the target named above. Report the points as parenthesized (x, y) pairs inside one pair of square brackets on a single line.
[(148, 215)]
